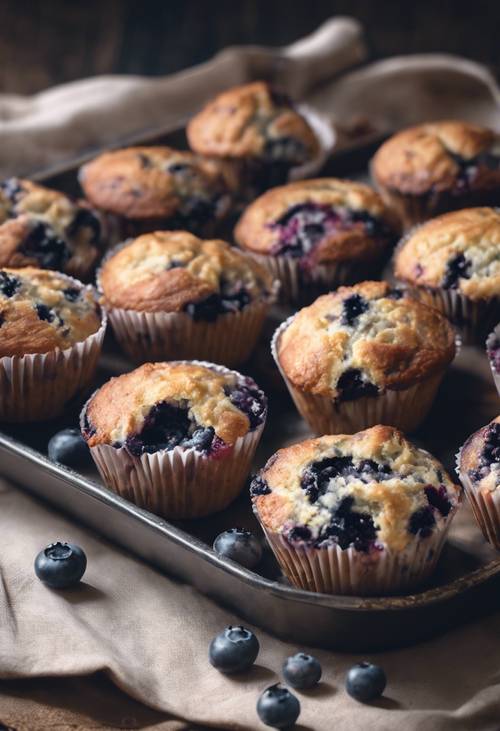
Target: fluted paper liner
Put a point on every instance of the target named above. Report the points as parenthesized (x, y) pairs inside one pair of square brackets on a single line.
[(404, 409), (36, 387), (492, 337), (485, 505), (178, 483)]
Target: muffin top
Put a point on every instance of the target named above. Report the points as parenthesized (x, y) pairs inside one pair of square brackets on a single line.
[(156, 183), (174, 271), (43, 228), (160, 406), (439, 156), (480, 457), (318, 221), (253, 121), (366, 491), (41, 310), (361, 340), (459, 250)]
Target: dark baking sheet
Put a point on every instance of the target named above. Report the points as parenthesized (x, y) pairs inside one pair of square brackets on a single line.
[(465, 584)]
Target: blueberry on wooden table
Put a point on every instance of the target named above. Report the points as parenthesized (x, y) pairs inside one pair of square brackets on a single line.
[(365, 682), (61, 565), (239, 545), (69, 448), (302, 671), (277, 707), (234, 650)]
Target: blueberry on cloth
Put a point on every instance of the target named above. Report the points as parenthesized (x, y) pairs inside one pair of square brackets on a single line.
[(234, 650), (239, 545), (302, 671), (68, 447), (60, 565), (277, 707), (365, 682)]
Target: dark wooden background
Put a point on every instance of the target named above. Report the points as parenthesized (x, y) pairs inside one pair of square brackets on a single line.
[(44, 42)]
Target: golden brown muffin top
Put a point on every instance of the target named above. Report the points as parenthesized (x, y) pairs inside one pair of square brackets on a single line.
[(439, 156), (369, 490), (167, 270), (323, 220), (162, 405), (155, 182), (479, 458), (361, 340), (459, 250), (252, 121), (41, 310), (44, 228)]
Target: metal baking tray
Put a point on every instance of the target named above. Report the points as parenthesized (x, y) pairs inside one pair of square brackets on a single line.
[(467, 579)]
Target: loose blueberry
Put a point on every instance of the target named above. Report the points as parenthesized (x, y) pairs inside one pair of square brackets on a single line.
[(61, 565), (277, 707), (239, 545), (365, 682), (302, 671), (68, 447), (233, 650)]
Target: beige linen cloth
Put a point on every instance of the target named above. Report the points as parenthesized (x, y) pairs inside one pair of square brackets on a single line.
[(148, 634)]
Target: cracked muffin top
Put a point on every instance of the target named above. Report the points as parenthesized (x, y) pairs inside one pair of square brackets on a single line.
[(367, 491), (480, 457), (459, 250), (361, 340), (44, 228), (142, 183), (174, 271), (318, 221), (184, 404), (42, 310), (439, 156), (253, 121)]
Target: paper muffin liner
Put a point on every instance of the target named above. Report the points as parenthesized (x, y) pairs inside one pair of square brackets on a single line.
[(494, 337), (178, 483), (36, 387), (485, 505), (334, 570), (405, 409)]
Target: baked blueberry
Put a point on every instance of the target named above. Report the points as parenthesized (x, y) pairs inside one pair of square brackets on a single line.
[(302, 671), (277, 707), (61, 565), (353, 384), (9, 284), (258, 486), (457, 268), (43, 245), (365, 682), (234, 650), (354, 306), (69, 448), (239, 545)]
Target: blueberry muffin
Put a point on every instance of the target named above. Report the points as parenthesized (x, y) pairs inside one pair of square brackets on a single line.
[(149, 188), (478, 465), (176, 438), (364, 355), (438, 167), (43, 228), (51, 332), (493, 353), (171, 295), (314, 235), (259, 130), (453, 263), (362, 514)]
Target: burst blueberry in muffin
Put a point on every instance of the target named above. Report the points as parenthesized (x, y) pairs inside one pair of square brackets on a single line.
[(314, 235), (453, 263), (51, 331), (364, 355), (478, 465), (43, 228), (176, 438), (493, 353), (173, 295), (259, 130), (150, 188), (437, 167), (361, 514)]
